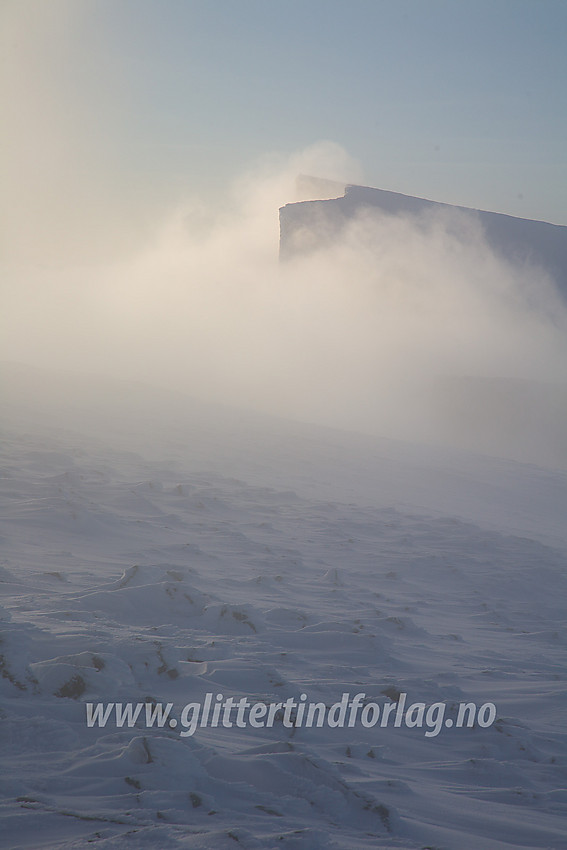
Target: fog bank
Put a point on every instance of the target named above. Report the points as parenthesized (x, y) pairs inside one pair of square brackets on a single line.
[(368, 333)]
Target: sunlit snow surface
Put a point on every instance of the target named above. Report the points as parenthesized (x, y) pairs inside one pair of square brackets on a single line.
[(149, 553)]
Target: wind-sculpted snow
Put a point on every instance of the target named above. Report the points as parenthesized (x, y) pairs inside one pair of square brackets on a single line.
[(133, 581)]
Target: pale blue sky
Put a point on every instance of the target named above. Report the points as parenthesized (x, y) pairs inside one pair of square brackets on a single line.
[(463, 101)]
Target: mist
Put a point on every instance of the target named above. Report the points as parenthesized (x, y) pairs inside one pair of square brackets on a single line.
[(360, 334), (404, 327)]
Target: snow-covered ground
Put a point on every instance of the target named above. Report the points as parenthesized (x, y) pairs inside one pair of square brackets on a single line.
[(156, 551)]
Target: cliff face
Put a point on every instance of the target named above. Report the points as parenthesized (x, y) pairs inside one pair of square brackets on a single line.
[(308, 225)]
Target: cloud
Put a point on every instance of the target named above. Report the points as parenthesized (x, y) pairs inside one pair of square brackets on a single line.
[(354, 335), (361, 334)]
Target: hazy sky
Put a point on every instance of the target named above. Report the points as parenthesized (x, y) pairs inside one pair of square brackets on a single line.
[(122, 105)]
